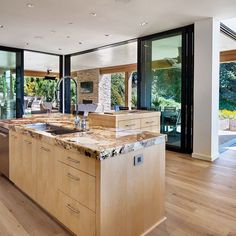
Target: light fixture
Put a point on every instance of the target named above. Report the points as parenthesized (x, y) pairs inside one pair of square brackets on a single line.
[(30, 5), (107, 35), (70, 23), (68, 37), (26, 44), (93, 13), (59, 49), (80, 43), (143, 23), (53, 31), (1, 26)]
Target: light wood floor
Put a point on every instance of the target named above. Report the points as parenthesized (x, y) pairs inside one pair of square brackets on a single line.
[(200, 200)]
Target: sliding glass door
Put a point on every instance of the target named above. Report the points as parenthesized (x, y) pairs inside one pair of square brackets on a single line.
[(11, 90), (166, 84)]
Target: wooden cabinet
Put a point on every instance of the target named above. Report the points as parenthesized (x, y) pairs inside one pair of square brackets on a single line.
[(92, 197), (23, 163), (28, 165), (46, 191), (129, 124), (127, 120), (76, 184), (16, 173), (79, 219), (132, 195), (76, 160)]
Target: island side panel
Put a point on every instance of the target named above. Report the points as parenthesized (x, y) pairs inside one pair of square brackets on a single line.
[(131, 197)]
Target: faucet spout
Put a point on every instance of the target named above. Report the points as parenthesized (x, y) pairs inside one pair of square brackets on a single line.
[(63, 98)]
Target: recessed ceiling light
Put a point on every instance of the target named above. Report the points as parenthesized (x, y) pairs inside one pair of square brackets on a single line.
[(68, 37), (107, 35), (80, 43), (26, 44), (143, 23), (1, 26), (59, 49), (53, 31), (93, 13), (70, 23), (30, 5)]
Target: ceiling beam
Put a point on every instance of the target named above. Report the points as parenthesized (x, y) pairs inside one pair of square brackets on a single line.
[(228, 56), (117, 69), (33, 73)]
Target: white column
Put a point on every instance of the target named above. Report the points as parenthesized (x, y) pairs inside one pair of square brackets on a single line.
[(206, 89)]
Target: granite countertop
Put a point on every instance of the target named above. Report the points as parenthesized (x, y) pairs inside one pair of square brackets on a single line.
[(100, 143)]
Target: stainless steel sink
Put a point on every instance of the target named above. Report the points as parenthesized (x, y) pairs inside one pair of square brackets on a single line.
[(52, 129)]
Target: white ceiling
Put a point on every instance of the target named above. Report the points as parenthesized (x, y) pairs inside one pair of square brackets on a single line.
[(231, 23), (40, 62), (227, 43), (114, 56), (119, 18)]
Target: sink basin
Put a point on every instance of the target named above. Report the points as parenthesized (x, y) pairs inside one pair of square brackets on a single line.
[(52, 129)]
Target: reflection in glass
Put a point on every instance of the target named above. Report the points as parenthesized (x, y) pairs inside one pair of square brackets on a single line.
[(163, 71), (7, 85)]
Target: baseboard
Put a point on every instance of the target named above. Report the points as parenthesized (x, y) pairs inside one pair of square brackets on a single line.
[(153, 227), (205, 157)]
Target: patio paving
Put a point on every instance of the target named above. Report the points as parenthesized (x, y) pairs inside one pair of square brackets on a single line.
[(227, 140)]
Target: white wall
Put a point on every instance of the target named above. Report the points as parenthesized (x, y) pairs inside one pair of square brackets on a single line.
[(206, 89)]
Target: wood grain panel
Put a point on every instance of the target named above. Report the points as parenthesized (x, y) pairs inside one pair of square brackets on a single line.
[(228, 56)]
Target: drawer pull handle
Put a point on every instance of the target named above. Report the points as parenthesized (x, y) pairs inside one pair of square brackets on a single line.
[(149, 122), (73, 160), (130, 125), (73, 177), (28, 142), (45, 149), (72, 209)]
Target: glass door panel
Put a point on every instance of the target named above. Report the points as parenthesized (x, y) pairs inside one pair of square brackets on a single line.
[(7, 85), (165, 83), (163, 79)]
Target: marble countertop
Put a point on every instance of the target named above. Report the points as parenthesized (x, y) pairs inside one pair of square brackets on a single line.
[(100, 143)]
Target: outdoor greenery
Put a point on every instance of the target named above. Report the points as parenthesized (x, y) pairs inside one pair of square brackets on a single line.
[(226, 114), (5, 88), (118, 89), (38, 87), (228, 86), (166, 88)]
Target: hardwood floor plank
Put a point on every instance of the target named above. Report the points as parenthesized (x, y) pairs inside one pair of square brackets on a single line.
[(35, 221), (9, 224)]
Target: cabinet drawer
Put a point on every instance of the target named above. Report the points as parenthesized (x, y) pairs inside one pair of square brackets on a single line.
[(129, 124), (74, 216), (150, 121), (76, 184), (76, 160), (152, 129)]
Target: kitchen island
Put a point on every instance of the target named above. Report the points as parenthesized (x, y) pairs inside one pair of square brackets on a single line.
[(101, 182)]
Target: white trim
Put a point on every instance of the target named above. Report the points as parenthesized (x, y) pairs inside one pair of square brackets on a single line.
[(205, 157)]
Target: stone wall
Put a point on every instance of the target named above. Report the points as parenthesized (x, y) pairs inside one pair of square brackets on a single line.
[(101, 87), (104, 92)]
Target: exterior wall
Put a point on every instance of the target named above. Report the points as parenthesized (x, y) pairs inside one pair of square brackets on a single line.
[(101, 87), (206, 90)]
